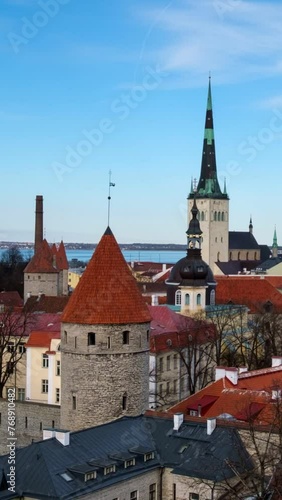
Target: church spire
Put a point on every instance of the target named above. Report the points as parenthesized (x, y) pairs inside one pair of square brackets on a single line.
[(208, 185), (274, 245), (251, 227)]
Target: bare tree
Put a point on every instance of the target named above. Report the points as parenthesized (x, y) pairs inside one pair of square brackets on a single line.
[(13, 332)]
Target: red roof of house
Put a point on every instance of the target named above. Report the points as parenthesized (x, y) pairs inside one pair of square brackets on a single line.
[(42, 339), (19, 324), (107, 292), (250, 398), (11, 299), (46, 303), (252, 291), (170, 330)]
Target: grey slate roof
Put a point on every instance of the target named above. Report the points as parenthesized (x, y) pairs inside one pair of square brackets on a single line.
[(40, 465), (269, 263), (237, 266), (242, 240)]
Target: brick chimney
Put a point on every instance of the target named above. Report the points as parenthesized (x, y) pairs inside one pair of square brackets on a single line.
[(38, 222)]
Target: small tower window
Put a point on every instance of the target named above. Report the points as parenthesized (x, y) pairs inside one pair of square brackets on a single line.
[(65, 337), (187, 299), (125, 337), (109, 342), (222, 216), (124, 402), (199, 299), (218, 256), (91, 338), (178, 298), (202, 215), (74, 402)]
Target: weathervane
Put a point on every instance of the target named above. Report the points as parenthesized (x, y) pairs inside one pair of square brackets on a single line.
[(111, 184)]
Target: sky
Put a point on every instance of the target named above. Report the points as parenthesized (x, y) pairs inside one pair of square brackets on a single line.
[(89, 87)]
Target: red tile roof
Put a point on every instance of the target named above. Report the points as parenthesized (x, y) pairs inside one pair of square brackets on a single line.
[(252, 291), (18, 323), (42, 261), (42, 339), (11, 299), (48, 259), (250, 398), (107, 292)]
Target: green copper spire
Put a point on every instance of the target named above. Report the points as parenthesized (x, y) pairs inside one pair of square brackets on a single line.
[(274, 244), (208, 185)]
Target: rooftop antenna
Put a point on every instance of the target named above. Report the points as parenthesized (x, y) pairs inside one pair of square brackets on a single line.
[(111, 184)]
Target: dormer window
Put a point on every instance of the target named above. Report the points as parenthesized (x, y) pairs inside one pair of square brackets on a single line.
[(109, 469), (90, 475), (129, 463), (149, 456)]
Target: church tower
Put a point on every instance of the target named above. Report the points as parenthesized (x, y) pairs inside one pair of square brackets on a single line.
[(274, 245), (191, 284), (213, 204), (104, 343)]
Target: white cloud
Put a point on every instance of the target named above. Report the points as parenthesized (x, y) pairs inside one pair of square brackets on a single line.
[(242, 42)]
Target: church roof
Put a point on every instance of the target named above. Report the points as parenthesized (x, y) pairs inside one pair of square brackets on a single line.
[(107, 292), (242, 240)]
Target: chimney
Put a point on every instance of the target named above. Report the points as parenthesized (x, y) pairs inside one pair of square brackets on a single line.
[(199, 410), (243, 369), (48, 434), (62, 436), (155, 300), (211, 425), (38, 222), (219, 372), (232, 375), (177, 421), (163, 268), (276, 361)]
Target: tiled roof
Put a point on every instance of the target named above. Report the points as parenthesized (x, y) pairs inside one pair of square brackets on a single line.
[(46, 303), (252, 291), (250, 398), (42, 261), (11, 299), (42, 339), (48, 259), (107, 292), (242, 240), (19, 324)]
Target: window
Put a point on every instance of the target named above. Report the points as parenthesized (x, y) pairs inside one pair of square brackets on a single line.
[(129, 463), (222, 216), (109, 469), (149, 456), (53, 424), (134, 495), (168, 363), (215, 216), (66, 477), (124, 402), (194, 496), (57, 395), (40, 426), (178, 298), (109, 342), (21, 348), (44, 386), (187, 299), (10, 346), (65, 337), (161, 390), (212, 298), (168, 388), (91, 338), (182, 385), (90, 475), (199, 299), (26, 423), (74, 402), (174, 386), (125, 337), (161, 365), (75, 342), (21, 394), (45, 361), (58, 368), (174, 491), (175, 361), (148, 335), (152, 491), (202, 216)]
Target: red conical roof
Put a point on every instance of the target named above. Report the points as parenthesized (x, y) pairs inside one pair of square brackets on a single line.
[(107, 292), (42, 261), (62, 261)]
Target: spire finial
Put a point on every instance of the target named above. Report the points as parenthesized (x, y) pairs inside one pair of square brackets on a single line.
[(251, 227), (111, 184)]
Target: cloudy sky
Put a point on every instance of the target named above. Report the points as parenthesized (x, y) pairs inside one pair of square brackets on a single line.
[(91, 86)]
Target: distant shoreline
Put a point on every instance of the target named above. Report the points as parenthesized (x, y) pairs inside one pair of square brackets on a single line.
[(91, 246)]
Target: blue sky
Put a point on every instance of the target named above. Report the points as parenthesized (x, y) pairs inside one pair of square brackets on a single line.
[(91, 86)]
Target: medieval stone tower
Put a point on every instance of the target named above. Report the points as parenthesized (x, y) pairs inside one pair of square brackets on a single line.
[(104, 343), (47, 271), (213, 204)]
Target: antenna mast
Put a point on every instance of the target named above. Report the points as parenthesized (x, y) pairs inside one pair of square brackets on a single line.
[(111, 184)]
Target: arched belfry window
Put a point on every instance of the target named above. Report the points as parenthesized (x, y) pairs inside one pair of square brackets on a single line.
[(187, 299), (222, 216), (215, 216), (203, 216), (178, 298), (199, 299)]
